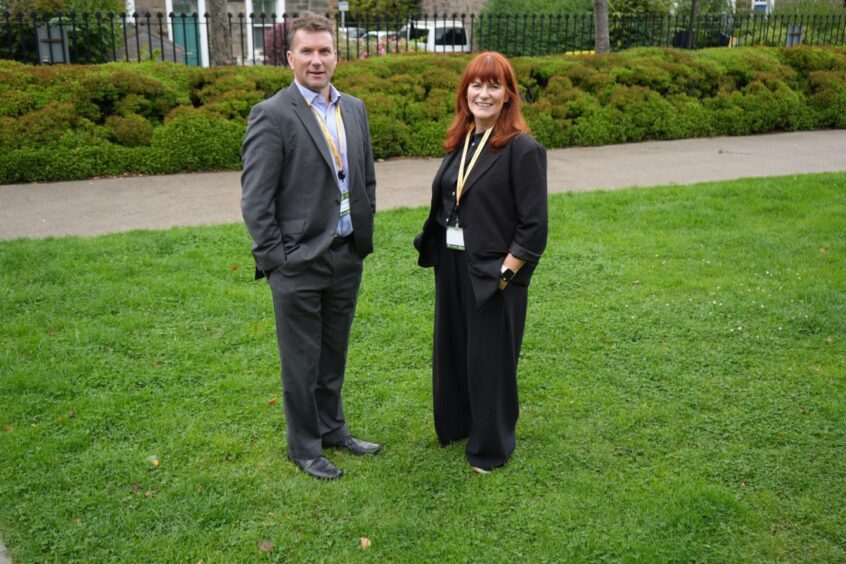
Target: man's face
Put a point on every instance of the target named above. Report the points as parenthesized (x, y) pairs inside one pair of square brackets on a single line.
[(313, 59)]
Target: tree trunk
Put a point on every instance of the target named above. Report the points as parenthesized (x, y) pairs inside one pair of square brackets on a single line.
[(691, 31), (220, 47), (602, 43)]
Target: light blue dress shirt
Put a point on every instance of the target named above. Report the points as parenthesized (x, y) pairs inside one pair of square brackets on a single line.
[(345, 226)]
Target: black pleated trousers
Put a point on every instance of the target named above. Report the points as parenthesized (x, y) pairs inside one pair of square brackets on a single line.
[(474, 364)]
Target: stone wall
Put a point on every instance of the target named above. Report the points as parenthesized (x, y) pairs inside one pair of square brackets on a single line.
[(450, 7), (316, 6)]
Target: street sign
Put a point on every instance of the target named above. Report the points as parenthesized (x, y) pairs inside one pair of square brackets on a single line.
[(343, 6)]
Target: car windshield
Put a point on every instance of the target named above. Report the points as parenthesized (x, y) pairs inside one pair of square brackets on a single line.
[(450, 36)]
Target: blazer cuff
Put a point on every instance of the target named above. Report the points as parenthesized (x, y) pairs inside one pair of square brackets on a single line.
[(523, 253), (271, 259)]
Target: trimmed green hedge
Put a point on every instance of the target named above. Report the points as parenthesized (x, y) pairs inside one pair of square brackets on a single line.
[(73, 122)]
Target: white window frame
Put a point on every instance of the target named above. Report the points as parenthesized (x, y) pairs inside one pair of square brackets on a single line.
[(248, 8), (204, 30)]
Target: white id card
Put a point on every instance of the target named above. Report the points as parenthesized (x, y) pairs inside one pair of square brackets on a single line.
[(345, 205), (455, 238)]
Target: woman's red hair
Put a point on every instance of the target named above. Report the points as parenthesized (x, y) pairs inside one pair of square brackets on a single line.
[(493, 68)]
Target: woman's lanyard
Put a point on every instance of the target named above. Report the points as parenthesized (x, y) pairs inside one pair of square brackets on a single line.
[(462, 174), (323, 127), (455, 234)]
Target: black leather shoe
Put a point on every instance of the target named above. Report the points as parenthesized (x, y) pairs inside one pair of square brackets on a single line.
[(319, 467), (356, 446)]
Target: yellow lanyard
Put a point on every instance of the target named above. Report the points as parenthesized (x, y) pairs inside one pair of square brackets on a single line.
[(323, 127), (462, 175)]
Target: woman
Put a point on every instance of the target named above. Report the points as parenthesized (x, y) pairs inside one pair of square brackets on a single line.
[(486, 231)]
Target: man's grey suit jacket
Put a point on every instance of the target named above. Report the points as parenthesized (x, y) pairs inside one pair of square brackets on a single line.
[(290, 198)]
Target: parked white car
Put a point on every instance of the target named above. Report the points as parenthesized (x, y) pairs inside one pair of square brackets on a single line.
[(437, 36), (351, 32)]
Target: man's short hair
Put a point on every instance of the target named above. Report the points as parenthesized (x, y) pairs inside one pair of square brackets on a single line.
[(309, 21)]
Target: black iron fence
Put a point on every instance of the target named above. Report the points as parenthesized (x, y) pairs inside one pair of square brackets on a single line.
[(261, 39)]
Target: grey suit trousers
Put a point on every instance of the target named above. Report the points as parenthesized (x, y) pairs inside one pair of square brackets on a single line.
[(314, 312)]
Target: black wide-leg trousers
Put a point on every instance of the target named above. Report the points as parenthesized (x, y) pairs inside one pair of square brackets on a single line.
[(474, 365)]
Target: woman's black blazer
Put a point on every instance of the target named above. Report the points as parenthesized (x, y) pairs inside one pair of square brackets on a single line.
[(503, 209)]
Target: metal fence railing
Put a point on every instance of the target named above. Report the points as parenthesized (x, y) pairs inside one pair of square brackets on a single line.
[(260, 39)]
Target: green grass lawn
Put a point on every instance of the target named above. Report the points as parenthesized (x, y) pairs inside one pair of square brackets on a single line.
[(682, 385)]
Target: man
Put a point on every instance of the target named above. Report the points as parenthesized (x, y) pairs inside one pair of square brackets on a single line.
[(308, 199)]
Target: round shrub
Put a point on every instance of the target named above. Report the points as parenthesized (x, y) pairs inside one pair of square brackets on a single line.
[(387, 136), (426, 139), (65, 121), (132, 131), (828, 97), (191, 140)]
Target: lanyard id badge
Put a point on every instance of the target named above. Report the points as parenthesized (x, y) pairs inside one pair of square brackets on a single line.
[(455, 238), (455, 234), (345, 204)]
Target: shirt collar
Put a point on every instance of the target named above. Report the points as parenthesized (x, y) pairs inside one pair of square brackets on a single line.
[(315, 98)]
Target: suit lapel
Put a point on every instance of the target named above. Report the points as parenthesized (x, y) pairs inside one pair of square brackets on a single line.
[(352, 131), (485, 162), (309, 121)]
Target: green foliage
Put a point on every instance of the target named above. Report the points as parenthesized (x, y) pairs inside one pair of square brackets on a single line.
[(804, 7), (131, 131), (707, 7), (78, 7), (537, 7), (65, 122), (682, 395), (88, 39), (638, 7), (828, 97), (384, 6)]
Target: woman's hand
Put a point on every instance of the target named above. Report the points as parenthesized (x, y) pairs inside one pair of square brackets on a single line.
[(511, 263)]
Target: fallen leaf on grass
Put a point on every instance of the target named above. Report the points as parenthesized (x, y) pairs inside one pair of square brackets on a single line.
[(234, 267), (266, 546), (8, 428), (272, 401), (136, 489), (149, 493), (153, 460), (823, 250), (364, 543), (635, 282)]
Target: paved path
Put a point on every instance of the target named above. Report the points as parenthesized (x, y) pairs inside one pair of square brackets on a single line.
[(3, 558), (93, 207)]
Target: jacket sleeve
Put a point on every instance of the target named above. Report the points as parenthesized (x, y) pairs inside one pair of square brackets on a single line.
[(369, 168), (528, 177), (264, 157)]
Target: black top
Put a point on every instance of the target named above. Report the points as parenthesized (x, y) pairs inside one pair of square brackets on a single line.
[(447, 213)]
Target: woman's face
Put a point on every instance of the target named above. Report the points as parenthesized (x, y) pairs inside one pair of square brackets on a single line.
[(485, 100)]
